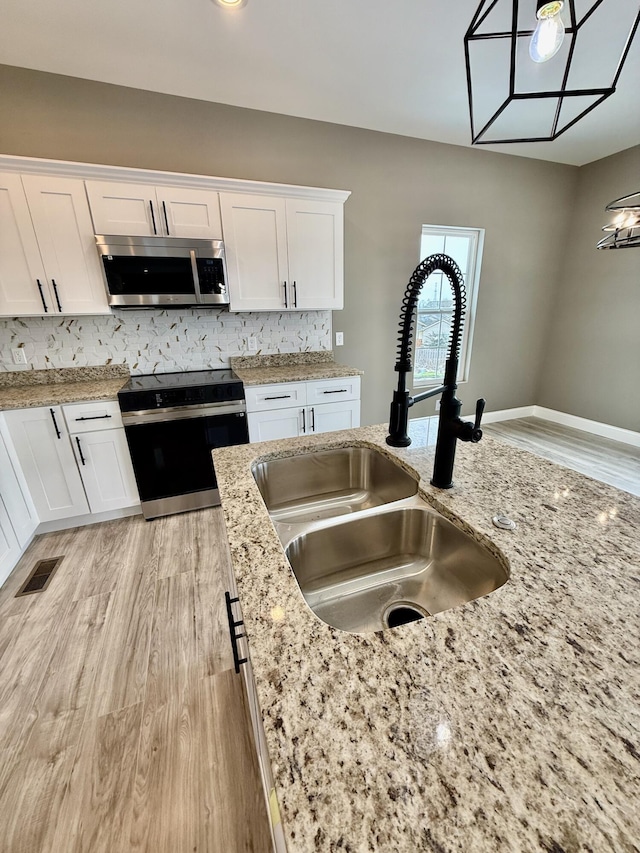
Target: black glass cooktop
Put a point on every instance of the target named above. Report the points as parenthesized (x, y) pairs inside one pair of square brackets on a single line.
[(163, 390)]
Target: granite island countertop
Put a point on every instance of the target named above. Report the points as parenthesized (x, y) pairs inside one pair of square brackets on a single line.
[(511, 723), (33, 388)]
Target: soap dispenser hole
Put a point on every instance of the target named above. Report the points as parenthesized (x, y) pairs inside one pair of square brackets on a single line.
[(402, 612)]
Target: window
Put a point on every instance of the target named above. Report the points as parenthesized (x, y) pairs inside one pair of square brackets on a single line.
[(435, 306)]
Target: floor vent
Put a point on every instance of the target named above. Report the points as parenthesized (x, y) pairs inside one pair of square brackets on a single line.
[(40, 576)]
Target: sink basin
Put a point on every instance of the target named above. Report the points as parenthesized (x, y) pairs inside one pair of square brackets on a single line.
[(329, 483), (387, 568)]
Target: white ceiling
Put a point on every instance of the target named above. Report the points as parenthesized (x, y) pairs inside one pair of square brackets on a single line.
[(394, 66)]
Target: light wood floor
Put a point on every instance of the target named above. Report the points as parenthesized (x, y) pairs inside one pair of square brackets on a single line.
[(123, 726), (609, 461)]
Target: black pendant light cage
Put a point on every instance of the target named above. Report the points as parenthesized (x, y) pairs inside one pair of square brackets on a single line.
[(514, 99), (624, 231)]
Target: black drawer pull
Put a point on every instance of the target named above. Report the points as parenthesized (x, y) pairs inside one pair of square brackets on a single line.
[(233, 624), (339, 391), (55, 423), (82, 459), (281, 397), (92, 418)]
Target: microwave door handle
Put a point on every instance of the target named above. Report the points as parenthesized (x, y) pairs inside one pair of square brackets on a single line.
[(196, 279)]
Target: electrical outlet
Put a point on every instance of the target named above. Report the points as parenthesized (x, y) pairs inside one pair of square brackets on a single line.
[(253, 344), (339, 339), (19, 356), (437, 405)]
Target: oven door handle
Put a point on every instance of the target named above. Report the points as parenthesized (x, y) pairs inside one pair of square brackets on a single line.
[(149, 416)]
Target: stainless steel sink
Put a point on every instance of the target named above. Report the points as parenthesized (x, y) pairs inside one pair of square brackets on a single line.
[(387, 568), (329, 483)]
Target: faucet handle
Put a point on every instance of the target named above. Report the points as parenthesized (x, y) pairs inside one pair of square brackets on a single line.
[(476, 433)]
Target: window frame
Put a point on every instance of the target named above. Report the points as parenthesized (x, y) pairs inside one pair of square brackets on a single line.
[(472, 286)]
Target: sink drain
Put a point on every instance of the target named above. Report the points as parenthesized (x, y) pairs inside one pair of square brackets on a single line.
[(401, 612)]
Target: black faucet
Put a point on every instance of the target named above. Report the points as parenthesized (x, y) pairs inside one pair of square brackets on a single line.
[(450, 426)]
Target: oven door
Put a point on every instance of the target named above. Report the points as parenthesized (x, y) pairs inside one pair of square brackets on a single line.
[(171, 455)]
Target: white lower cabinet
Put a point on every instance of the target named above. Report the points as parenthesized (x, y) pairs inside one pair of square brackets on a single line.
[(17, 515), (44, 451), (291, 409), (102, 455)]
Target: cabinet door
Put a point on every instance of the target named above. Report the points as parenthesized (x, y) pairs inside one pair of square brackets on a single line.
[(105, 466), (190, 213), (10, 550), (20, 263), (282, 423), (125, 209), (47, 461), (256, 250), (17, 504), (333, 416), (315, 238), (64, 231)]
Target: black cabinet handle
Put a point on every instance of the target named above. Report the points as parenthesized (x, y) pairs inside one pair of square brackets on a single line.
[(286, 303), (55, 424), (166, 220), (313, 420), (233, 624), (82, 459), (304, 422), (339, 391), (295, 295), (55, 290), (153, 218), (92, 418), (44, 304), (281, 397)]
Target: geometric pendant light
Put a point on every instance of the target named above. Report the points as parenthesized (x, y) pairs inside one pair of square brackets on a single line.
[(624, 231), (535, 68)]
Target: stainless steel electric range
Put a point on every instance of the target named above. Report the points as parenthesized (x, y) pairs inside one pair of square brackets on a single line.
[(172, 422)]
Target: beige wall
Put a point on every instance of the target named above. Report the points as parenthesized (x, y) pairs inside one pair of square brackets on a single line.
[(397, 184), (592, 364)]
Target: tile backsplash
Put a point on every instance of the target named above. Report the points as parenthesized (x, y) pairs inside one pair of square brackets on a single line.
[(159, 341)]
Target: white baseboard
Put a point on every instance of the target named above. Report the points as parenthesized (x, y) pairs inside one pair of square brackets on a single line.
[(84, 520), (506, 414), (626, 436)]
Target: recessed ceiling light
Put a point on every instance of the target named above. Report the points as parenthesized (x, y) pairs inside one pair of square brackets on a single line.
[(230, 4)]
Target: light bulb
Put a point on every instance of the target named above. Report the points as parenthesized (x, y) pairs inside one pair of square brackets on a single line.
[(549, 32)]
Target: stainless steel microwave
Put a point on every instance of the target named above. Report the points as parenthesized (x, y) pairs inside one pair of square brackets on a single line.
[(148, 272)]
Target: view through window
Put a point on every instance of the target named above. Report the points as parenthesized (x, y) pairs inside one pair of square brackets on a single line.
[(435, 306)]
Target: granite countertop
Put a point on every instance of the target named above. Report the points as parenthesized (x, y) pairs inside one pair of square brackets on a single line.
[(511, 723), (32, 388), (289, 367)]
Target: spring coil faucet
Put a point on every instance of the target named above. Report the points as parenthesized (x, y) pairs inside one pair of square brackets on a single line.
[(450, 426)]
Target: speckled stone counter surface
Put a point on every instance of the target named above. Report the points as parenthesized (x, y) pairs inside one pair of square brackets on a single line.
[(289, 367), (511, 723), (26, 389)]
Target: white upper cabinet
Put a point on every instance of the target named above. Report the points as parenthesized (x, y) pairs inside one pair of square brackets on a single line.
[(255, 238), (315, 249), (21, 268), (48, 259), (283, 254), (143, 210), (65, 235)]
